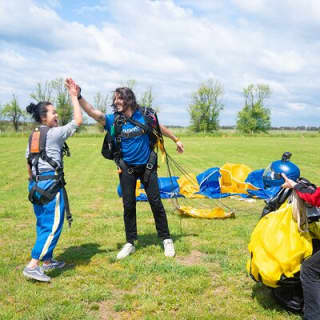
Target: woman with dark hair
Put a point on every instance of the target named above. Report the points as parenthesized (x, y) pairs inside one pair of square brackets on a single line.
[(125, 126), (310, 268), (45, 169)]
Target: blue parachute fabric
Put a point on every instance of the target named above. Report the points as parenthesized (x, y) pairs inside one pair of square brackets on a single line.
[(209, 183), (168, 187), (142, 197), (256, 178), (210, 187), (119, 191)]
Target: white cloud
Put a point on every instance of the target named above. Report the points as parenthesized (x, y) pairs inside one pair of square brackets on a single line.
[(282, 62), (253, 6), (11, 58), (170, 47), (297, 106)]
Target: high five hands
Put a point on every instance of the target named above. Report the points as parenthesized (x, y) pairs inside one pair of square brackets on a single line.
[(73, 88)]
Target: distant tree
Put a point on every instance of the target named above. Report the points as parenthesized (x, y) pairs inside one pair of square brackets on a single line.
[(62, 101), (13, 112), (43, 92), (147, 100), (254, 117), (2, 124), (205, 106), (129, 84), (101, 102)]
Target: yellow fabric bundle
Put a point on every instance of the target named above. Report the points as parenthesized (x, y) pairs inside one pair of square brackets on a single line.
[(277, 247)]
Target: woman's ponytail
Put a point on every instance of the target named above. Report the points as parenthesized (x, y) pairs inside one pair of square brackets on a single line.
[(38, 111)]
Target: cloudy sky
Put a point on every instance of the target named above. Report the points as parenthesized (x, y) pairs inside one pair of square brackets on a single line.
[(170, 45)]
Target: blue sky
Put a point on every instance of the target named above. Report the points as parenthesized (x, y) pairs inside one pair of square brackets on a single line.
[(170, 45)]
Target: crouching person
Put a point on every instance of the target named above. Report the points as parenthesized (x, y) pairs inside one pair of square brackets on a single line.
[(310, 268), (44, 154)]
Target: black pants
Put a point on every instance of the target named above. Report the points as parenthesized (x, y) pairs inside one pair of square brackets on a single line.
[(128, 185), (310, 279)]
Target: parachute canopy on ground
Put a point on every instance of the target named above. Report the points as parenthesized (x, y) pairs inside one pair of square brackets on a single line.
[(214, 183), (231, 179)]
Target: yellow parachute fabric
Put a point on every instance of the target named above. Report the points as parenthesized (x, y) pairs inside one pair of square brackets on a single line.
[(188, 186), (213, 213), (138, 189), (233, 178), (277, 247)]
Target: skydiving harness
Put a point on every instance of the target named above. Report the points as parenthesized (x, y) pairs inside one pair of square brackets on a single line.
[(37, 150), (111, 148)]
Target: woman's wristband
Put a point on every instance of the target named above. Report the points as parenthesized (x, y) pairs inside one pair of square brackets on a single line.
[(176, 140)]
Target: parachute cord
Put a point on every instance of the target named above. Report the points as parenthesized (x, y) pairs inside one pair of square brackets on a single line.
[(168, 160), (183, 171)]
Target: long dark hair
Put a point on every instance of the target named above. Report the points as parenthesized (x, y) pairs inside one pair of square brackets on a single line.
[(128, 97), (39, 110)]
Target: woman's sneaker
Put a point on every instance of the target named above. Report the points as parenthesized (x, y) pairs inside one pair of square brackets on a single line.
[(126, 250), (36, 274), (168, 248), (54, 264)]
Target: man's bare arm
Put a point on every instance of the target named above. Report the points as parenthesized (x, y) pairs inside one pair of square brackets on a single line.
[(168, 133), (92, 112), (85, 105)]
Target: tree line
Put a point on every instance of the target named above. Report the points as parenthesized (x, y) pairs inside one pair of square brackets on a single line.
[(204, 107)]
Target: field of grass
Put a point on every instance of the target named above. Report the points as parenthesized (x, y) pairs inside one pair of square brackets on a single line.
[(206, 280)]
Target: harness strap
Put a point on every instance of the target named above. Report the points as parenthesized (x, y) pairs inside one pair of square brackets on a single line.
[(147, 129), (67, 207), (119, 121), (35, 189), (150, 165), (42, 178), (148, 168), (48, 195), (144, 127)]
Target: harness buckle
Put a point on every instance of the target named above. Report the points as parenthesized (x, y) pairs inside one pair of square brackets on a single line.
[(118, 139), (120, 121), (37, 178), (130, 170), (149, 166)]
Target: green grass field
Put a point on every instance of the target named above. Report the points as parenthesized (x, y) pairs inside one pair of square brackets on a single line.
[(206, 280)]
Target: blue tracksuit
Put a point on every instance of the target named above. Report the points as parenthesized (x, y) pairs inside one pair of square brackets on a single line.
[(50, 216), (50, 219)]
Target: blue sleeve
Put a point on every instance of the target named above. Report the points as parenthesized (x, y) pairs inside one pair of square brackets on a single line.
[(109, 121)]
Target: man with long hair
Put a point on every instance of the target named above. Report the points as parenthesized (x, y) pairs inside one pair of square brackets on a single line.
[(134, 162)]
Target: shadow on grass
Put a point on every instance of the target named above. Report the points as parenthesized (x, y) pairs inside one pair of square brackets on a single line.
[(146, 240), (77, 255), (264, 297)]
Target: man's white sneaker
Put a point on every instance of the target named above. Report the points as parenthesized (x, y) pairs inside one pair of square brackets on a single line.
[(127, 249), (168, 248)]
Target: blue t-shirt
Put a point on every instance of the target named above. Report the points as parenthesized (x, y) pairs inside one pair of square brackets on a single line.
[(136, 149)]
